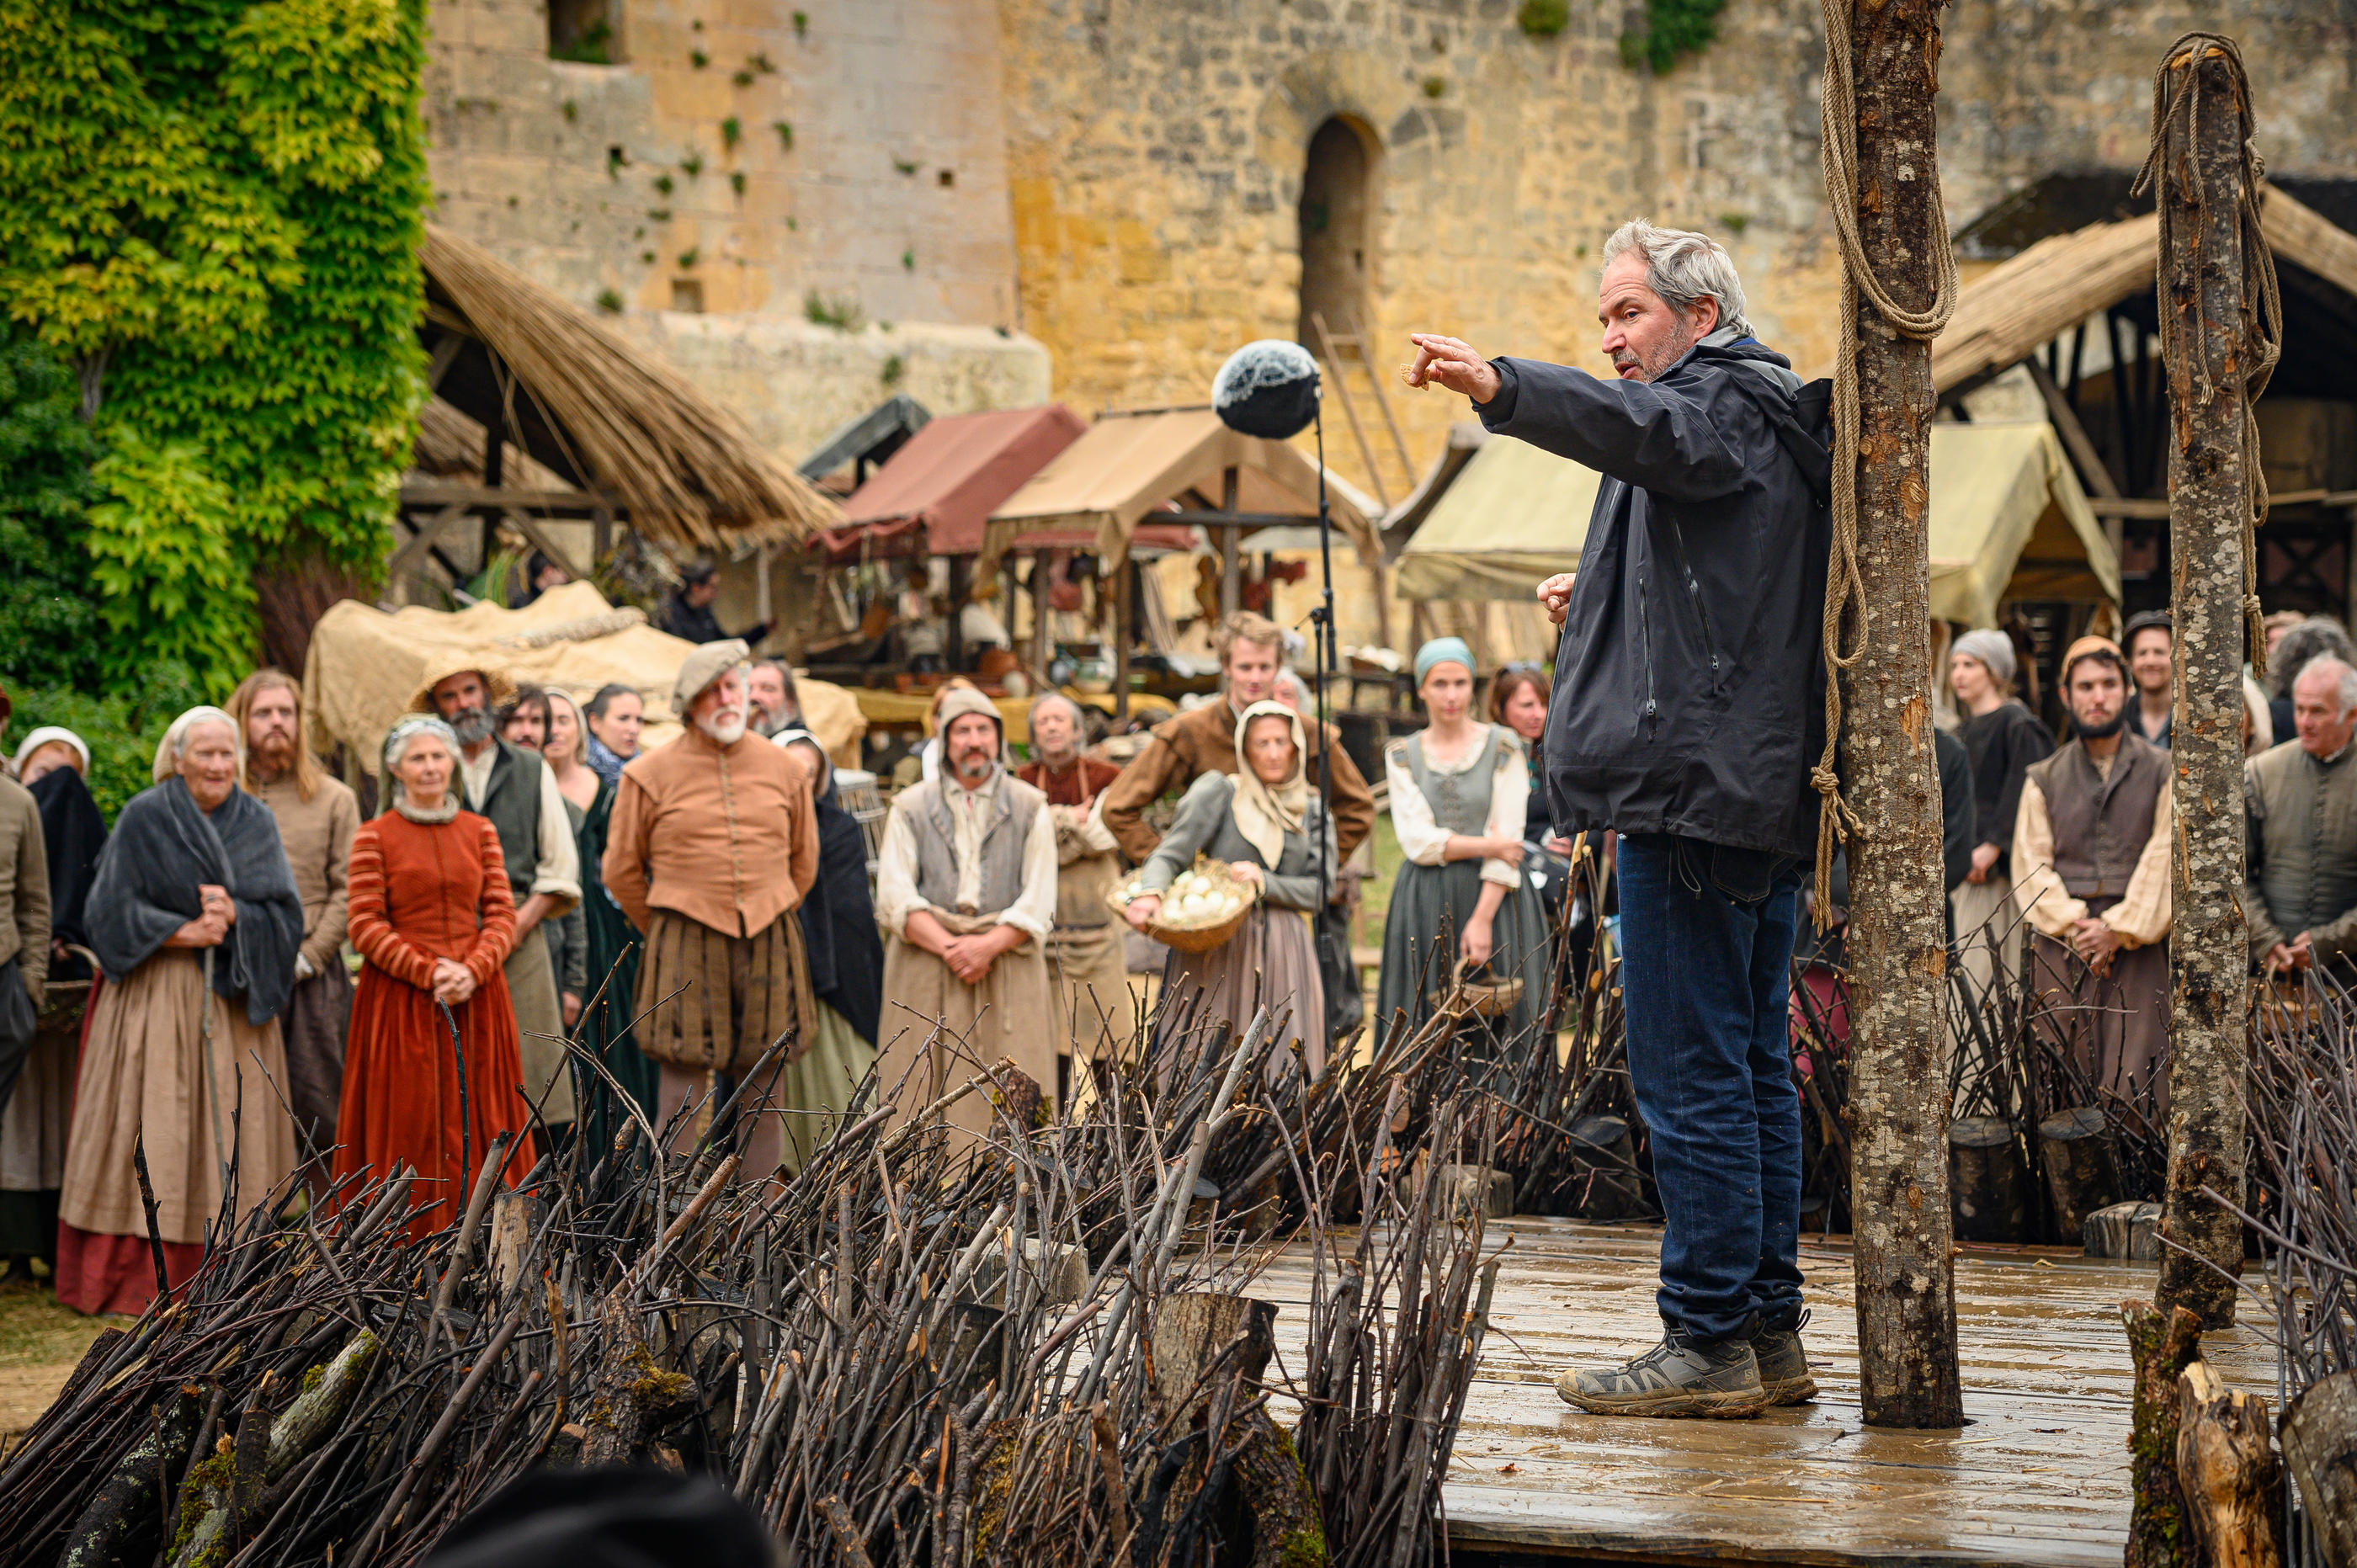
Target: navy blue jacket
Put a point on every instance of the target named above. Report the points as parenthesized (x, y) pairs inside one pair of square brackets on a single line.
[(1689, 684)]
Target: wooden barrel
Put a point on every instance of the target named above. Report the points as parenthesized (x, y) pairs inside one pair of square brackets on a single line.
[(2082, 1170), (1988, 1181), (1605, 1157)]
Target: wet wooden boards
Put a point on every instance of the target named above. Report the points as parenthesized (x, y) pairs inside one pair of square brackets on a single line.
[(2039, 1476)]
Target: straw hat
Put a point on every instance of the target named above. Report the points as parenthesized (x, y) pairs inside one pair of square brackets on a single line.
[(497, 687)]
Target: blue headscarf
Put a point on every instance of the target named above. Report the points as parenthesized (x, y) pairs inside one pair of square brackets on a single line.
[(1442, 650)]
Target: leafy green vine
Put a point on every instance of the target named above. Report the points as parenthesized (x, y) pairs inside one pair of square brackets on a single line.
[(212, 210), (1673, 28)]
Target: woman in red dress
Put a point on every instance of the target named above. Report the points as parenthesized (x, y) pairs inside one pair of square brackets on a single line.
[(433, 915)]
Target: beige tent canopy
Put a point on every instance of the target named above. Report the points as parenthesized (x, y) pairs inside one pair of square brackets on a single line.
[(1126, 466), (2009, 521), (1513, 516), (364, 665)]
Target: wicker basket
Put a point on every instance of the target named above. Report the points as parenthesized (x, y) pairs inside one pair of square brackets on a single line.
[(1190, 938), (1480, 998)]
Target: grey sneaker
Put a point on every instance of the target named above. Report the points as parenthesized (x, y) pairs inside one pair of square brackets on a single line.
[(1783, 1365), (1677, 1377)]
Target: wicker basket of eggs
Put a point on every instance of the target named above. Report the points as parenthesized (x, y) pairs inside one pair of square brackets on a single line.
[(1200, 909)]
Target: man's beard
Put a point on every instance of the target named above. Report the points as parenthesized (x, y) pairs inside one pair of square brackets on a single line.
[(972, 767), (471, 725), (1669, 354), (272, 756), (726, 726), (2104, 731), (768, 725)]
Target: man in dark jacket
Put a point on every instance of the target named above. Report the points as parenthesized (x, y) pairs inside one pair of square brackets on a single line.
[(1688, 709), (688, 613)]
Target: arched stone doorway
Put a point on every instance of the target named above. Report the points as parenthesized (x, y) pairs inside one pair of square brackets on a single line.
[(1337, 213)]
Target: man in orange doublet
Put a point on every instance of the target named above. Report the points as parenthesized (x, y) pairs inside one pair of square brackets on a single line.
[(433, 916)]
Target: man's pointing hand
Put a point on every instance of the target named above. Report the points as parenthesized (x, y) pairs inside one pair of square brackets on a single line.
[(1453, 364)]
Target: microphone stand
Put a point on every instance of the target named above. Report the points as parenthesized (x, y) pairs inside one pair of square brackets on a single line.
[(1321, 627)]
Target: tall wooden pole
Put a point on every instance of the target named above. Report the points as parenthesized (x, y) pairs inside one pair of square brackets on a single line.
[(1898, 935), (2209, 307)]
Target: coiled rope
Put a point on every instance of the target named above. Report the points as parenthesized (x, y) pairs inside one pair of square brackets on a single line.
[(1836, 823), (2260, 343)]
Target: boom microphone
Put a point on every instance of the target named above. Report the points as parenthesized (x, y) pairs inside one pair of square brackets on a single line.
[(1267, 388)]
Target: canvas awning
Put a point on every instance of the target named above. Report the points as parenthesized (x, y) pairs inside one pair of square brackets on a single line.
[(2009, 521), (935, 495), (1099, 488), (364, 665), (1513, 516)]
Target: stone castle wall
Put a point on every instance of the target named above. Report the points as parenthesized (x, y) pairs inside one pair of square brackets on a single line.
[(1157, 151)]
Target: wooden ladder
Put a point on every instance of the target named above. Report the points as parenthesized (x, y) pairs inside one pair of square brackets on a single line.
[(1330, 347)]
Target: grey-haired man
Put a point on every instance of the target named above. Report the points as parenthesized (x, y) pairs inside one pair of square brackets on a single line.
[(1688, 709)]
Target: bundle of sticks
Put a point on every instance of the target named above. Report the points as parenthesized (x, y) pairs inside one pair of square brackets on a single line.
[(1039, 1348)]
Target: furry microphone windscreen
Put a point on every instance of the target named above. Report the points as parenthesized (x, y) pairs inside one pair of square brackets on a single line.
[(1267, 388)]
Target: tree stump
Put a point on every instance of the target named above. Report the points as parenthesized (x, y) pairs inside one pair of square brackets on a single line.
[(1191, 1330), (2130, 1230), (2227, 1472), (1988, 1182), (2082, 1170), (2319, 1445), (2161, 1348)]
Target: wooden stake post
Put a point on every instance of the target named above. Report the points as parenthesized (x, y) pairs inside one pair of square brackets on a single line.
[(2203, 293), (1898, 935)]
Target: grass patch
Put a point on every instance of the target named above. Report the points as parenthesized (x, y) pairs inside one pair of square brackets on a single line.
[(35, 1331)]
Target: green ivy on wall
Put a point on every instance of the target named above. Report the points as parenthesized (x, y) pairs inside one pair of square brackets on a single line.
[(212, 210), (1673, 28)]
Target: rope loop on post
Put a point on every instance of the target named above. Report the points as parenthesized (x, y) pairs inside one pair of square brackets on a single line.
[(2260, 331), (1845, 588)]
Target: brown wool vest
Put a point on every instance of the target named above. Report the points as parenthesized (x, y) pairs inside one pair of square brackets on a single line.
[(2101, 824)]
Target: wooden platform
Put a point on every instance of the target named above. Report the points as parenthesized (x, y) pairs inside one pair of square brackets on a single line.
[(2041, 1476)]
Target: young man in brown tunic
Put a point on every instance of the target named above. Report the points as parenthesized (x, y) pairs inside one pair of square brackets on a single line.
[(316, 817), (714, 845), (1251, 649), (2092, 873)]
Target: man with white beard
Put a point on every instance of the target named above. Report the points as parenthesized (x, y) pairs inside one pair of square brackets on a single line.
[(713, 848), (512, 787), (965, 890)]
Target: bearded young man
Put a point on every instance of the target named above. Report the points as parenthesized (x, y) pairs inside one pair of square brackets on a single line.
[(1687, 711), (316, 817), (1203, 740), (965, 890), (714, 846), (513, 789), (1085, 951), (2091, 862)]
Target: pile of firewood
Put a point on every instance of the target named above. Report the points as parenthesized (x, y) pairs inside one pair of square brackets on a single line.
[(1042, 1349)]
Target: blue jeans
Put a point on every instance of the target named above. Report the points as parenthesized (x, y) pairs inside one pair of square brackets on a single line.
[(1707, 943)]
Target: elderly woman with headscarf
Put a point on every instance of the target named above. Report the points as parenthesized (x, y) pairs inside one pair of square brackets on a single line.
[(1264, 823), (196, 921), (2002, 738), (432, 1075), (1459, 791)]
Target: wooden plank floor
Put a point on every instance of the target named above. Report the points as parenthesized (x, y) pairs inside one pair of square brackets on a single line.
[(2039, 1476)]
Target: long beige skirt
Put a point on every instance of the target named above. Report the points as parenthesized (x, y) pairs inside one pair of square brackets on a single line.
[(1272, 962), (938, 1031), (1096, 1009), (1988, 933), (144, 1067)]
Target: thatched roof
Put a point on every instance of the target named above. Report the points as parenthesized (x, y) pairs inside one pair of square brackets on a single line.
[(603, 414), (450, 447), (2012, 310)]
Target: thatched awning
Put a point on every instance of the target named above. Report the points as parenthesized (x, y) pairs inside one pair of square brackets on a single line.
[(2016, 309), (599, 414)]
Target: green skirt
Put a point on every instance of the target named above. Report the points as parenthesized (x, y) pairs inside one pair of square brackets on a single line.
[(1430, 904)]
